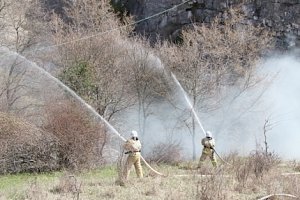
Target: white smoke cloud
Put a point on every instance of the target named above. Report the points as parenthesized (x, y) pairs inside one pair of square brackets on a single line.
[(236, 126), (240, 126), (283, 98)]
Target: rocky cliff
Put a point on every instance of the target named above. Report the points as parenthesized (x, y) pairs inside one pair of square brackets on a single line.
[(281, 16)]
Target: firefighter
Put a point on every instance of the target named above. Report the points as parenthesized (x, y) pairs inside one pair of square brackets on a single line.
[(208, 149), (133, 148)]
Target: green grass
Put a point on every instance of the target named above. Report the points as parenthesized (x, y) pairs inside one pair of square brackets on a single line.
[(10, 181), (13, 186), (101, 184), (104, 172)]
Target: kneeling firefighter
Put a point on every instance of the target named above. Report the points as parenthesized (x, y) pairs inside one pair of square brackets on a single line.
[(208, 149), (133, 148)]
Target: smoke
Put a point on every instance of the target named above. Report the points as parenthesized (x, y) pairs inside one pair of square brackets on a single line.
[(282, 99), (238, 124)]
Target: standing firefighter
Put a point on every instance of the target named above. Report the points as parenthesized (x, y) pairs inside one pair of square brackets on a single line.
[(133, 149), (208, 149)]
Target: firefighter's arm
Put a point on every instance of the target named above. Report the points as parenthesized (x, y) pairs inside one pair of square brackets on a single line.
[(203, 142), (127, 145), (212, 143)]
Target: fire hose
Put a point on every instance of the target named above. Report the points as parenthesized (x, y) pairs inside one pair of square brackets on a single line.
[(153, 170), (220, 157), (146, 163)]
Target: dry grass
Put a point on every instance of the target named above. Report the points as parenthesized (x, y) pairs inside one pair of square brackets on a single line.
[(220, 183), (26, 148)]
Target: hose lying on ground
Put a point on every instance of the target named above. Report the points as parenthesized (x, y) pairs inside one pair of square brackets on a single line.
[(274, 195), (153, 170)]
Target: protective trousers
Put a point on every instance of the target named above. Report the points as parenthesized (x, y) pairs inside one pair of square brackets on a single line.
[(134, 159), (207, 152)]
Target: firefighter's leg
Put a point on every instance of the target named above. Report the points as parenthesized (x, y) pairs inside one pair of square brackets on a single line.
[(138, 167), (202, 159), (128, 166), (213, 159)]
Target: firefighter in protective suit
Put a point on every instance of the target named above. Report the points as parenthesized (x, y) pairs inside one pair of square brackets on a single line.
[(208, 149), (133, 148)]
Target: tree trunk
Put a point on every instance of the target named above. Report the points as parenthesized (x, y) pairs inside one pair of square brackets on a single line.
[(194, 138)]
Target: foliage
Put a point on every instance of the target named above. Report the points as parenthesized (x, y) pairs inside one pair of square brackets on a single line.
[(92, 67), (147, 79), (82, 141), (224, 53), (166, 153), (263, 162), (255, 166), (25, 148), (80, 79), (215, 57)]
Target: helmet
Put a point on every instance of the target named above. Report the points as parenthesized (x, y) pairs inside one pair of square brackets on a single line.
[(208, 134), (134, 133)]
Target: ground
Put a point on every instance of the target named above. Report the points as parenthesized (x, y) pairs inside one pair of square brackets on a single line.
[(181, 182)]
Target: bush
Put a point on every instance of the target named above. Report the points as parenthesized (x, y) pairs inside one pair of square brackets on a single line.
[(167, 153), (82, 141), (262, 162), (254, 166), (25, 148)]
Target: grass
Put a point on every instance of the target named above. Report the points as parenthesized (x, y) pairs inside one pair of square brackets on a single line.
[(100, 183), (12, 186)]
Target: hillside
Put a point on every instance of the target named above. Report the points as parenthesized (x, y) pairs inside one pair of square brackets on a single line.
[(281, 16), (78, 78)]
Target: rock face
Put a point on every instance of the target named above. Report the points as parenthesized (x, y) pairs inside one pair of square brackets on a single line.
[(281, 16)]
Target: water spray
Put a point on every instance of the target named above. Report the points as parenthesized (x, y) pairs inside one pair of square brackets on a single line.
[(194, 112), (82, 102), (188, 102)]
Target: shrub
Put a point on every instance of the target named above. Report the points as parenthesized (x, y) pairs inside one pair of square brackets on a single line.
[(262, 162), (212, 187), (26, 148), (257, 164), (167, 153), (82, 140)]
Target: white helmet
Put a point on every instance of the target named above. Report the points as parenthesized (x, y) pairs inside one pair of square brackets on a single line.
[(134, 133), (208, 134)]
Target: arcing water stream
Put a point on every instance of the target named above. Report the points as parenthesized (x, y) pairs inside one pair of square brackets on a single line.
[(71, 92), (193, 111), (78, 98), (188, 102)]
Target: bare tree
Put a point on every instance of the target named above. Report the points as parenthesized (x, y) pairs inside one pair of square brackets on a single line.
[(15, 39), (17, 87), (12, 86), (214, 57), (3, 5), (148, 79), (14, 25), (93, 66)]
